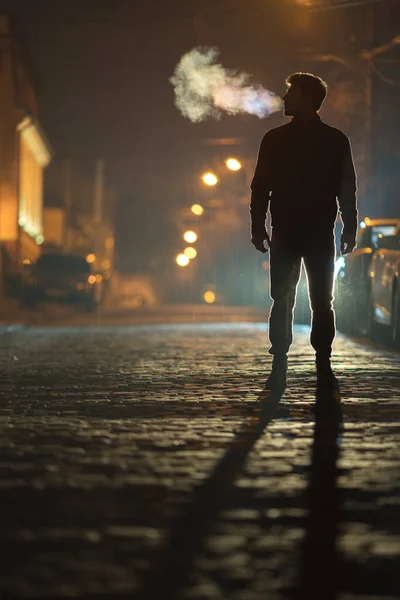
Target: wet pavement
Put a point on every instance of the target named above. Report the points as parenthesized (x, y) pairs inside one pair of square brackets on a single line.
[(144, 462)]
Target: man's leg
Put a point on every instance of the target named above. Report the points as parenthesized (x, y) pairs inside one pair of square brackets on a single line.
[(285, 264), (319, 261)]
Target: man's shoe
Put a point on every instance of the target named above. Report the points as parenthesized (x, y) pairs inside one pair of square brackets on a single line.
[(277, 380)]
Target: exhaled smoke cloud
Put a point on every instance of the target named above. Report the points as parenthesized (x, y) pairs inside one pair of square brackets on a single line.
[(203, 88)]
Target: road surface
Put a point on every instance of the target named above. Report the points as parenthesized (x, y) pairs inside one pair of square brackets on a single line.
[(143, 461)]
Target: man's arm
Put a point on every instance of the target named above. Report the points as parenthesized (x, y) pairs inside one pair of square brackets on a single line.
[(260, 188), (347, 195)]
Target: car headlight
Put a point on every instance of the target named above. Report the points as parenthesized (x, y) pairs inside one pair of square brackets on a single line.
[(339, 264)]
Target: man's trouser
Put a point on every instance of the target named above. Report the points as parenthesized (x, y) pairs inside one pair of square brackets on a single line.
[(317, 249)]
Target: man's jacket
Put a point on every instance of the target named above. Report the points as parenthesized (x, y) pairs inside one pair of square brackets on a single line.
[(304, 170)]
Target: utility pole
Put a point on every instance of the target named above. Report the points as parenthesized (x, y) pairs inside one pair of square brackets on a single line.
[(98, 201), (67, 204), (368, 145)]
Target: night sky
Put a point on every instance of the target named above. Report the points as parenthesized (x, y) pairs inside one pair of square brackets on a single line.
[(102, 70)]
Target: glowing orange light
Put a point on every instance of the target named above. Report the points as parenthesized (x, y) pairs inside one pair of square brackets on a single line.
[(265, 265), (210, 179), (182, 260), (197, 210), (233, 164), (209, 297), (90, 258), (92, 279), (190, 252), (190, 237)]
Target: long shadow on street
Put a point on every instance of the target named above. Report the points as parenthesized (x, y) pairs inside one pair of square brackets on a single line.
[(319, 565), (319, 561), (189, 533)]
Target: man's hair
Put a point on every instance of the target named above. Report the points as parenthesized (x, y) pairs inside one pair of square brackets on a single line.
[(310, 85)]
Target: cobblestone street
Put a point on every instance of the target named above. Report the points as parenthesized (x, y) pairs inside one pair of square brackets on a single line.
[(144, 462)]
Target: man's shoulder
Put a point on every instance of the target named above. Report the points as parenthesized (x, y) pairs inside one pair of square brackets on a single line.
[(334, 132), (277, 132)]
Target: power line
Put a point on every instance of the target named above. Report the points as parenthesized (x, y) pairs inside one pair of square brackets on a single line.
[(339, 4)]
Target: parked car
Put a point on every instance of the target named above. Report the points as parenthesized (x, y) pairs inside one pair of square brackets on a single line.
[(61, 278), (385, 286), (352, 276)]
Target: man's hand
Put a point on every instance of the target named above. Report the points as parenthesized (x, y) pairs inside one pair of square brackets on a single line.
[(258, 239), (347, 243)]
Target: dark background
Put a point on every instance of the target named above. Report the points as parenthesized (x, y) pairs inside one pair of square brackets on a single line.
[(102, 70)]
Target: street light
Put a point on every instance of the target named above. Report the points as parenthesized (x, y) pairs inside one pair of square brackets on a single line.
[(233, 164), (210, 179), (190, 252), (182, 260), (190, 237), (209, 297), (197, 210)]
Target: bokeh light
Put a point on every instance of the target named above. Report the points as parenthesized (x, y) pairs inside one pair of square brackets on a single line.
[(190, 252), (90, 258), (233, 164), (190, 237), (182, 260), (197, 210), (210, 179), (209, 297)]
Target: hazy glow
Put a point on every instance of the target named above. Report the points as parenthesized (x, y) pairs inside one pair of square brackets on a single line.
[(26, 261), (197, 209), (190, 252), (99, 278), (92, 279), (204, 88), (182, 260), (209, 297), (210, 179), (233, 164), (339, 264), (90, 258), (190, 237)]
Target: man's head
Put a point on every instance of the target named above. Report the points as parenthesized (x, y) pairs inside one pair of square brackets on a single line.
[(304, 96)]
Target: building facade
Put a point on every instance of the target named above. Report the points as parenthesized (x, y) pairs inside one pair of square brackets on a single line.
[(24, 154), (79, 214)]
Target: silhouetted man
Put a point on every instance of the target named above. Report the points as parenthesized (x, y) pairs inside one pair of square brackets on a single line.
[(304, 169)]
